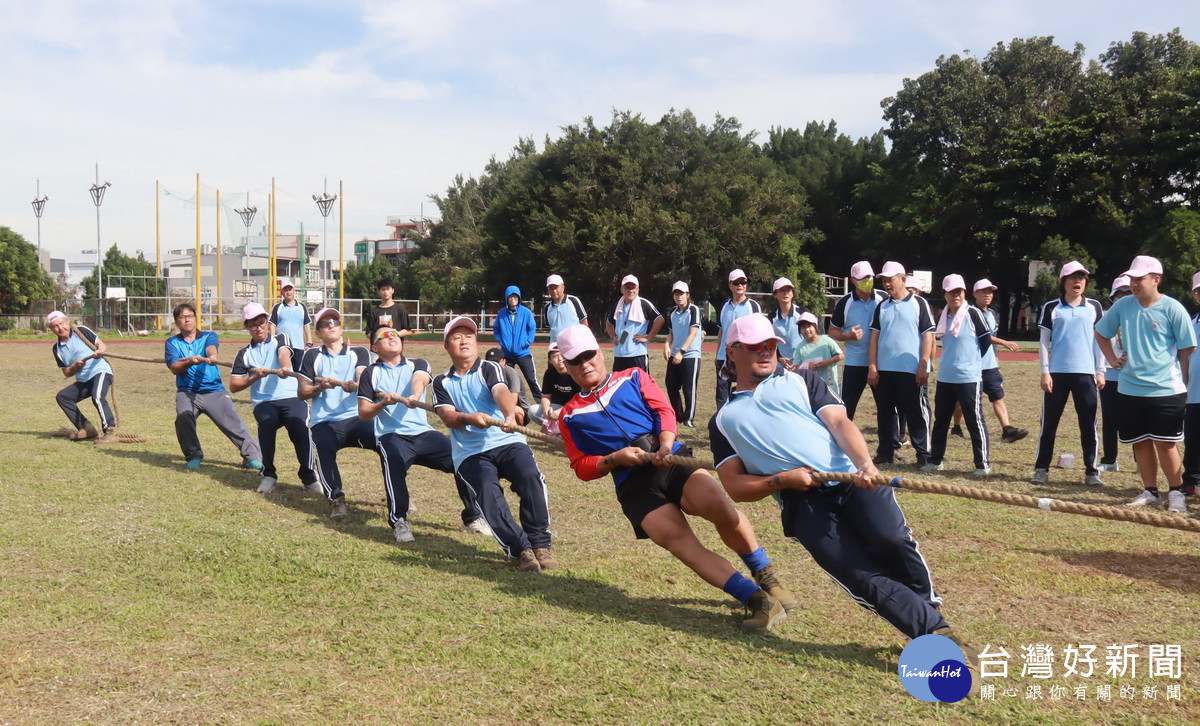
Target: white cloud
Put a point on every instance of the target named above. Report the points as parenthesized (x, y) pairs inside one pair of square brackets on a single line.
[(772, 21)]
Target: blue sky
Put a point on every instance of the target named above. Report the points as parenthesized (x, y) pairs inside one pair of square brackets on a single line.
[(396, 97)]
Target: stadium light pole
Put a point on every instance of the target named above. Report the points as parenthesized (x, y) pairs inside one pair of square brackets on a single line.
[(39, 203), (97, 189), (247, 214), (325, 204)]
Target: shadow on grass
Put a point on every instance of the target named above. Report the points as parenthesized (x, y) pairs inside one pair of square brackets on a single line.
[(227, 473), (1177, 572)]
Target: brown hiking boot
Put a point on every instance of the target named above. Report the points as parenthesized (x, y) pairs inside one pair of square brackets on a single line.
[(87, 432), (110, 436), (528, 562), (763, 611), (545, 560), (767, 580), (971, 655), (338, 512)]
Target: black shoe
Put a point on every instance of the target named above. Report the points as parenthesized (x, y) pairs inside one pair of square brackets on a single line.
[(1012, 433), (882, 460), (957, 431)]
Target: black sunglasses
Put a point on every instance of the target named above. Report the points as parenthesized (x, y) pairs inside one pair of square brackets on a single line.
[(328, 323), (580, 359)]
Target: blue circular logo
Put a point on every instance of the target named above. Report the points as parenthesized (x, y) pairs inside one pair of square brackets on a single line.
[(932, 668)]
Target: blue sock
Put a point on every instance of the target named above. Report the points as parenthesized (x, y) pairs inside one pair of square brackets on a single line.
[(756, 560), (740, 586)]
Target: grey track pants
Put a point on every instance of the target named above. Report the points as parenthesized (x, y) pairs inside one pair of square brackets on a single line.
[(218, 406)]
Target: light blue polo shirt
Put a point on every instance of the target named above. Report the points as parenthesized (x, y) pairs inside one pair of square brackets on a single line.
[(730, 312), (851, 310), (1073, 347), (775, 428), (290, 320), (901, 325), (1151, 336), (68, 352), (625, 327), (472, 393), (1193, 384), (200, 378), (265, 355), (383, 378), (682, 322), (333, 404), (990, 360), (962, 359), (563, 315), (789, 329)]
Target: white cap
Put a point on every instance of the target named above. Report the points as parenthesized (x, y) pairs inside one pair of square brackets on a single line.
[(552, 348), (459, 322), (252, 311), (628, 279), (954, 282), (681, 286), (737, 275), (891, 268), (55, 315), (1144, 265), (807, 318), (782, 282), (325, 313), (1071, 268), (861, 270), (554, 280), (1195, 281), (284, 283), (984, 284)]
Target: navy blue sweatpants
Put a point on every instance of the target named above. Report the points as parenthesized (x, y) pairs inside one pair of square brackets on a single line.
[(900, 392), (330, 437), (514, 462), (860, 538), (945, 398), (1081, 387), (290, 414), (398, 453)]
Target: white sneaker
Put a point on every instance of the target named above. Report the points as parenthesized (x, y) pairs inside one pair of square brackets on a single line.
[(1146, 498), (985, 471), (930, 467), (1176, 502), (478, 525), (266, 485), (402, 531), (1109, 467), (313, 486)]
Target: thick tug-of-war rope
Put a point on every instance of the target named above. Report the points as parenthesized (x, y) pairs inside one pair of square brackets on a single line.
[(121, 438), (955, 490)]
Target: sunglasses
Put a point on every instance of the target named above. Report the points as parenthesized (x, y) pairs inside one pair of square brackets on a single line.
[(739, 283), (386, 334), (580, 359), (767, 345), (327, 323)]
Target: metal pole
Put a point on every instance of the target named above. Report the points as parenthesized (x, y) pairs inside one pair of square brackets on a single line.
[(157, 234), (39, 203), (199, 299), (341, 234), (217, 297), (97, 190)]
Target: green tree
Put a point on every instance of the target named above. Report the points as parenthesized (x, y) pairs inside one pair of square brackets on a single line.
[(141, 281), (22, 277), (1177, 242), (1056, 252), (362, 280)]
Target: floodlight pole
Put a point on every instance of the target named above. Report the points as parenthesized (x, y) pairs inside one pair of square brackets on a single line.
[(324, 204), (247, 214), (39, 203), (97, 189)]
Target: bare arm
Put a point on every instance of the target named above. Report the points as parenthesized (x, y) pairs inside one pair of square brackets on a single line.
[(850, 440), (455, 419), (745, 487)]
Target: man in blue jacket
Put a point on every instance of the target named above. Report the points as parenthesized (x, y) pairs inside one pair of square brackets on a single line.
[(514, 330)]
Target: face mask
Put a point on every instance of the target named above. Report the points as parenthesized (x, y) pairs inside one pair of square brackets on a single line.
[(866, 285)]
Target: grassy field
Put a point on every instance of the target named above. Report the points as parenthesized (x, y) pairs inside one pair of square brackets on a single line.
[(136, 592)]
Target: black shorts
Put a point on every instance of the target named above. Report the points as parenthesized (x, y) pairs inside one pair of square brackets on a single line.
[(649, 487), (993, 384), (1150, 419)]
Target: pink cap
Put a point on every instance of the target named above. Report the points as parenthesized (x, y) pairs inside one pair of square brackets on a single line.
[(807, 318), (325, 313), (55, 315), (861, 270), (1071, 268), (1123, 281), (1144, 265), (628, 279), (737, 275), (284, 283), (552, 348), (1195, 281), (576, 339), (984, 284), (681, 286), (462, 321), (554, 280), (782, 282), (891, 268), (954, 282), (751, 329), (912, 282), (252, 311)]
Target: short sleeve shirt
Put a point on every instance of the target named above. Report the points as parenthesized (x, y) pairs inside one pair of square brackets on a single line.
[(682, 323), (962, 356), (396, 418), (1151, 336), (290, 320), (788, 328), (849, 311), (333, 404), (68, 352), (901, 325), (472, 393), (990, 360), (824, 348), (265, 355), (563, 315), (730, 312), (200, 378), (1073, 346), (627, 329)]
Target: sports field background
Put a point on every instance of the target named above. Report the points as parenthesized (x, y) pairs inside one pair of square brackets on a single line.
[(136, 592)]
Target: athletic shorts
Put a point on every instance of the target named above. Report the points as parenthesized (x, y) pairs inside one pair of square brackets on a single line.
[(1150, 419), (993, 384), (649, 487)]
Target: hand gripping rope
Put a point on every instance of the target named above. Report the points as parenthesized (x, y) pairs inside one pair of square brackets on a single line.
[(122, 438)]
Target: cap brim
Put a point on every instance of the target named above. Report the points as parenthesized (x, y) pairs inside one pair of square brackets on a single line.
[(1140, 273)]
